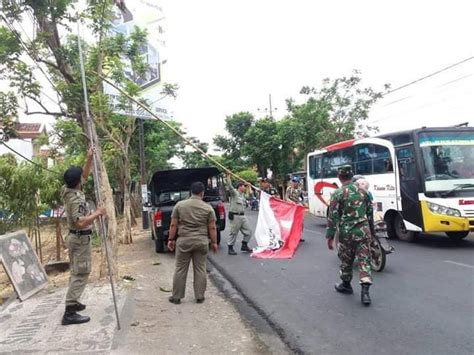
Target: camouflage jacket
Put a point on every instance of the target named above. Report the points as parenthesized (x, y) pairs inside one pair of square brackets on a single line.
[(349, 208)]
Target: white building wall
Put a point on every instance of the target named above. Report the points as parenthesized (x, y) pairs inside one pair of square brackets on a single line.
[(22, 146)]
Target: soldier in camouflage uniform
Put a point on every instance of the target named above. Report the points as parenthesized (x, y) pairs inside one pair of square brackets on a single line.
[(238, 221), (351, 214), (78, 241)]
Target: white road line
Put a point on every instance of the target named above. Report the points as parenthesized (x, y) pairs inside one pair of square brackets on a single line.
[(460, 264), (312, 231)]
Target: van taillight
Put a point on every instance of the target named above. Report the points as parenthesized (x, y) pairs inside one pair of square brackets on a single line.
[(158, 219), (221, 210)]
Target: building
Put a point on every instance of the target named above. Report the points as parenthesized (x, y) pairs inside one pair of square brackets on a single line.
[(26, 141)]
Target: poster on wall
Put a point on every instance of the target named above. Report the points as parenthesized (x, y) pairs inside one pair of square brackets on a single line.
[(22, 264)]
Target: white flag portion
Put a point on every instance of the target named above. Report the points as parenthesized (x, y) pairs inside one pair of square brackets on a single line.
[(279, 228)]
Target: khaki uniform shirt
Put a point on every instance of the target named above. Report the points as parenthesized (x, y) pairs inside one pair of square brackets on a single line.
[(293, 195), (194, 216), (75, 205), (237, 199)]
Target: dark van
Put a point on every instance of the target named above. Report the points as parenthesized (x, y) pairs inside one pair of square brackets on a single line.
[(168, 187)]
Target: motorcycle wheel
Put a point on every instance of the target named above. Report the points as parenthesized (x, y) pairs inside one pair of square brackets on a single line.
[(378, 257)]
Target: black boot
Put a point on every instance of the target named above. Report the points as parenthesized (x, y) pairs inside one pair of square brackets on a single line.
[(231, 250), (344, 287), (364, 295), (245, 247), (71, 317), (78, 307)]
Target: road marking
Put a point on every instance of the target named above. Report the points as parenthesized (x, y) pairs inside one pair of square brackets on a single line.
[(460, 264), (311, 231)]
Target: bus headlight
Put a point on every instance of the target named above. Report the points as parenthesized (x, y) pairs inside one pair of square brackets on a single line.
[(435, 208)]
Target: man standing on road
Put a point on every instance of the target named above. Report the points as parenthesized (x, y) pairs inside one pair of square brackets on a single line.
[(351, 214), (78, 241), (294, 193), (238, 221), (192, 222)]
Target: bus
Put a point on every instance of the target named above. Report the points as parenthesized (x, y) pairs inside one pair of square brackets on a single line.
[(422, 180)]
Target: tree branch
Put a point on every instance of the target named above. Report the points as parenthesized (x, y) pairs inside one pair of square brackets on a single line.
[(48, 63)]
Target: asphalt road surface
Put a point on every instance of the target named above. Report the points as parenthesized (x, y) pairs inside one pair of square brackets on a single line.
[(422, 303)]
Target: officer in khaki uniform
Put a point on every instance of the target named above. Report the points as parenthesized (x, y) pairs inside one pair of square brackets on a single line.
[(192, 223), (79, 221), (295, 194), (238, 221)]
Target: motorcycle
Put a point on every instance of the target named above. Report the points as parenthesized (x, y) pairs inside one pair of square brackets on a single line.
[(379, 246)]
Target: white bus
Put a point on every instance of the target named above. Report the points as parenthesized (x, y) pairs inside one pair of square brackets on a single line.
[(422, 180)]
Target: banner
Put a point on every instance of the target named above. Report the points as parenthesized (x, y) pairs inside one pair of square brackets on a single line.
[(279, 228)]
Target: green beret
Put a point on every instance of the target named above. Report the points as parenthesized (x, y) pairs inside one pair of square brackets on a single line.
[(345, 170)]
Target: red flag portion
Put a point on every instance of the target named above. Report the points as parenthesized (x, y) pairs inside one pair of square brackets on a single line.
[(279, 228)]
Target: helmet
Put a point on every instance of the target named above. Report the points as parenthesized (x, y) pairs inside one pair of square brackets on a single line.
[(295, 179)]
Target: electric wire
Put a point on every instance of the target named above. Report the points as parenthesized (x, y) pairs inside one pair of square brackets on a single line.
[(28, 160)]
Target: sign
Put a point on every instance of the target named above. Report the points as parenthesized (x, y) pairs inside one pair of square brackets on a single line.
[(144, 193), (22, 264), (133, 110)]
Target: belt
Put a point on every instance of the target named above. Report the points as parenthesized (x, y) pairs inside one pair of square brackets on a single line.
[(238, 213), (79, 232)]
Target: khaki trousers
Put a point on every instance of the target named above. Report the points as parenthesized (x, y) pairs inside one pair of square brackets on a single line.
[(239, 224), (187, 249), (80, 265)]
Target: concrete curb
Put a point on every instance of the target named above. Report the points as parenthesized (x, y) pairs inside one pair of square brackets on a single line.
[(269, 333)]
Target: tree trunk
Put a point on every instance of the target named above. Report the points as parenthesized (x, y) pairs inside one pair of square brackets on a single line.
[(110, 221), (127, 217)]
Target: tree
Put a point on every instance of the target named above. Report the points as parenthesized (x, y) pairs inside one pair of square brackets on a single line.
[(237, 126), (54, 50)]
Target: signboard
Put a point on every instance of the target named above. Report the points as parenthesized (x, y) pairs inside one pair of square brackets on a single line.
[(144, 193), (149, 16), (22, 264), (134, 110)]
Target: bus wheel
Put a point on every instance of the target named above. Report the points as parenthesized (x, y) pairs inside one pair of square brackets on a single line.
[(401, 231), (457, 235)]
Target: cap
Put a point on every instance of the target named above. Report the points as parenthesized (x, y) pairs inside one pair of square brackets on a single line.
[(72, 176), (345, 170), (240, 183), (295, 179), (263, 179)]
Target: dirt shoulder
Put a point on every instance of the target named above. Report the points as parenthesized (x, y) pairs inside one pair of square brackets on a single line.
[(152, 324)]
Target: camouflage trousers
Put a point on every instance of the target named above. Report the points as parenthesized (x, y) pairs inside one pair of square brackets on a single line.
[(352, 244), (80, 264)]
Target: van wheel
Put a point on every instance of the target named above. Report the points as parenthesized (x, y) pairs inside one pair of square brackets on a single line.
[(456, 236), (159, 245), (401, 231)]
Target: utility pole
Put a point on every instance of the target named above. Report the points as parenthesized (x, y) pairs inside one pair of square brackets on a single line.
[(270, 107), (143, 179)]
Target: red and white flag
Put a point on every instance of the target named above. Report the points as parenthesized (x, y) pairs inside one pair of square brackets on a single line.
[(279, 228)]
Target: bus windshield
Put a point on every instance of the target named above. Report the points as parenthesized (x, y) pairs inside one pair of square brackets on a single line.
[(448, 160)]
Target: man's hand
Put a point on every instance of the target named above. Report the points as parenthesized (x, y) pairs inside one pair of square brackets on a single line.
[(331, 244), (90, 152), (171, 245), (214, 247), (101, 211)]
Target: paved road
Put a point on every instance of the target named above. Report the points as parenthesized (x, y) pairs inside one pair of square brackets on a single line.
[(423, 302)]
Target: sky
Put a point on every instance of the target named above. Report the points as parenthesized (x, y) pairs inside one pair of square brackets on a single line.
[(228, 56)]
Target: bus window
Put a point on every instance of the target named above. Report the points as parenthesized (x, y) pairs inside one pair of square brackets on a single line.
[(364, 155), (402, 139), (406, 163), (382, 161), (348, 156), (330, 163), (315, 167)]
